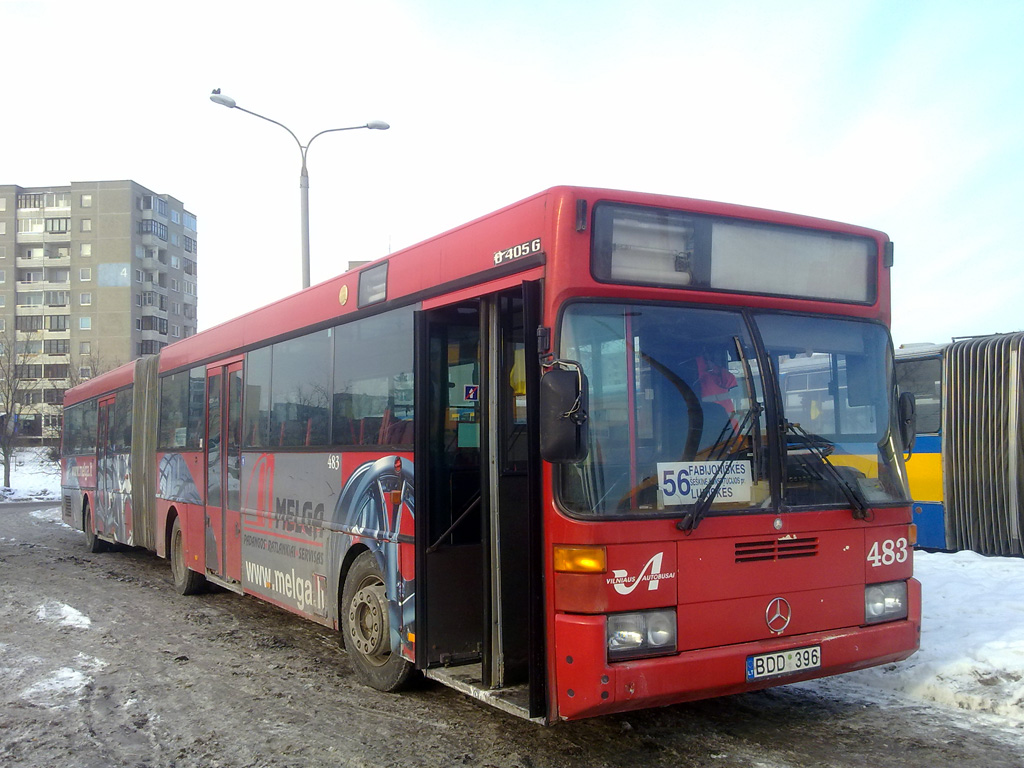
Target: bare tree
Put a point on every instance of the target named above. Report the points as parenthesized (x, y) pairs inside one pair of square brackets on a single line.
[(19, 383)]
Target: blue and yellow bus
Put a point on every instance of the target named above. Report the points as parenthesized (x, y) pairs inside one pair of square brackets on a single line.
[(967, 467)]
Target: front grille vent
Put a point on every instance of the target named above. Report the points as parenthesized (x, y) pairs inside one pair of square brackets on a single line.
[(786, 548)]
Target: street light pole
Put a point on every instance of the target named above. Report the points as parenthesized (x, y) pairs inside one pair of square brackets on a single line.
[(374, 125)]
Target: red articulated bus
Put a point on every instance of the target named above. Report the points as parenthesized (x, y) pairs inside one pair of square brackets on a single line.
[(594, 452)]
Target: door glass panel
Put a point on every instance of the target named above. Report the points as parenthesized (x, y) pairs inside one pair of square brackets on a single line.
[(213, 444), (234, 438)]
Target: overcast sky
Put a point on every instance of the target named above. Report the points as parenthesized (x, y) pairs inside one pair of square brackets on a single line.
[(901, 116)]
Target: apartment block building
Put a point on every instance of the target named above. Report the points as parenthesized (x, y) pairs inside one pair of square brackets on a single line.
[(92, 275)]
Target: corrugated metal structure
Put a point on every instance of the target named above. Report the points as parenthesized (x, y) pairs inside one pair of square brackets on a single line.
[(982, 453)]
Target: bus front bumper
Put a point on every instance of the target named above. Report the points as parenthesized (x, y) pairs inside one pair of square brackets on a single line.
[(588, 688)]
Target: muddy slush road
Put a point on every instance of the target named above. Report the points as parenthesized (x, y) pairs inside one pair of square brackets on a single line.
[(103, 664)]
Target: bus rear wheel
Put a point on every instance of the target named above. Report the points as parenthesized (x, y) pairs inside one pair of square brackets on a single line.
[(186, 582), (367, 627), (92, 542)]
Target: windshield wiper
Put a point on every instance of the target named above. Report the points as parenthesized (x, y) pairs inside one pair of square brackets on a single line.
[(820, 448), (709, 492)]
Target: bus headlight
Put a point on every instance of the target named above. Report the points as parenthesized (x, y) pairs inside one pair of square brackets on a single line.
[(649, 633), (885, 602)]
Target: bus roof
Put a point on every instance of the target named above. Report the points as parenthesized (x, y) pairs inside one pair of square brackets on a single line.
[(462, 256)]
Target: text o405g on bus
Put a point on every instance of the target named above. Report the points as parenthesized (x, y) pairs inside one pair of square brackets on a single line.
[(517, 251)]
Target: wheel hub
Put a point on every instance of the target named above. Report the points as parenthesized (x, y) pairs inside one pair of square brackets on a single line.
[(368, 620)]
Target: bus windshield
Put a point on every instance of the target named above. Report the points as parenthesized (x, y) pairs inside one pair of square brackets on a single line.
[(677, 402)]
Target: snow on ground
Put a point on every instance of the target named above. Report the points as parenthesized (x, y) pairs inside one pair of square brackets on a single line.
[(33, 477), (972, 641)]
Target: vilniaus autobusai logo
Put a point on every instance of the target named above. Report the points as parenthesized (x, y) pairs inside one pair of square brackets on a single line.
[(651, 573)]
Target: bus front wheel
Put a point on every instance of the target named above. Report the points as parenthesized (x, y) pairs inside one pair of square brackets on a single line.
[(186, 582), (367, 627)]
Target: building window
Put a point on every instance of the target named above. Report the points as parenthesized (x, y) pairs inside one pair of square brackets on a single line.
[(56, 346), (28, 323), (153, 203), (58, 298), (85, 373), (190, 221), (58, 322), (175, 216), (85, 323), (3, 203), (34, 200), (86, 249), (85, 274), (3, 227), (139, 276), (174, 285), (3, 275), (54, 396), (29, 298), (86, 201), (153, 227), (86, 225), (31, 226), (55, 371), (58, 226), (84, 299), (3, 300)]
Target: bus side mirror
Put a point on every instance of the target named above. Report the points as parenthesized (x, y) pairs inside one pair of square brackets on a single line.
[(908, 420), (563, 415)]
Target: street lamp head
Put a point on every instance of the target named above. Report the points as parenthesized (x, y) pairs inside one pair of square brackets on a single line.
[(373, 125), (224, 100)]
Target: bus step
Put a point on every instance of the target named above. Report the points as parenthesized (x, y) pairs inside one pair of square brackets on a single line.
[(514, 699), (232, 586)]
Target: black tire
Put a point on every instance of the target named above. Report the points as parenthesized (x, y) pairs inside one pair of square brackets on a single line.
[(92, 542), (367, 627), (186, 582)]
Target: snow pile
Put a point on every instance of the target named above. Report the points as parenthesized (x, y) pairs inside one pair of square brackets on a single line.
[(972, 637), (64, 686), (34, 477), (972, 641), (63, 614)]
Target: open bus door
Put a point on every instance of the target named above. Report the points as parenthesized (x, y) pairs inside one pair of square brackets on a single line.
[(223, 472), (479, 595)]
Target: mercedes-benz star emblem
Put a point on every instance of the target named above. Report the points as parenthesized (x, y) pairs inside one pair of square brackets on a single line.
[(778, 615)]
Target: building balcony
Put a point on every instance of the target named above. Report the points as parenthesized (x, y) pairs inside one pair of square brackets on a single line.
[(42, 237)]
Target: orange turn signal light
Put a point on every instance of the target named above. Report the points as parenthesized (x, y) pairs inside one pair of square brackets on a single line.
[(912, 534), (580, 559)]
